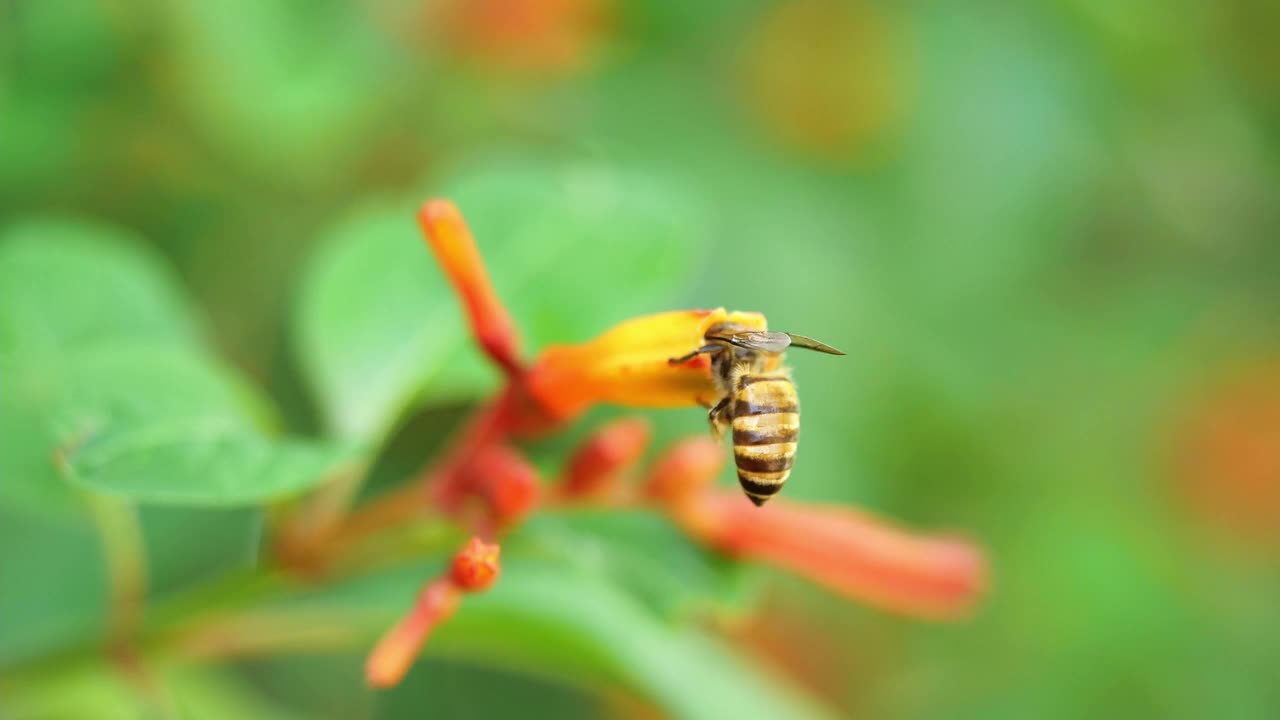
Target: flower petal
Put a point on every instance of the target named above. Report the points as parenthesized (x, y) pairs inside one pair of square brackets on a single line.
[(846, 551), (399, 647), (455, 249), (630, 364)]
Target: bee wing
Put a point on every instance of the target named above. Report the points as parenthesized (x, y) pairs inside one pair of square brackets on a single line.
[(773, 342), (764, 341), (809, 343)]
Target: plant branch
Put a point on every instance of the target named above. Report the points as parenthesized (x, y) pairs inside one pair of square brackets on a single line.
[(125, 558)]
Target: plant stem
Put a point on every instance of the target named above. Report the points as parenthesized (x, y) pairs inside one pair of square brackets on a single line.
[(419, 497), (318, 516), (125, 557)]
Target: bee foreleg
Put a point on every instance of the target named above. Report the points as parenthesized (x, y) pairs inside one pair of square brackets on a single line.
[(720, 419), (704, 350)]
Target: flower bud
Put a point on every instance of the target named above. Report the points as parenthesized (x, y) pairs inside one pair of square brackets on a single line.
[(685, 469), (455, 249), (599, 463), (476, 566), (399, 647), (507, 483)]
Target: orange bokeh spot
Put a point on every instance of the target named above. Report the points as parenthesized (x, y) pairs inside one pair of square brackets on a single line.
[(532, 35), (1229, 455), (822, 76)]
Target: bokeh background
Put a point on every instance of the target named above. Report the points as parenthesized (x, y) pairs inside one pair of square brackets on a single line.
[(1048, 234)]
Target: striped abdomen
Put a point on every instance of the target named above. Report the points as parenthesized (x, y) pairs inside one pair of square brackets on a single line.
[(766, 425)]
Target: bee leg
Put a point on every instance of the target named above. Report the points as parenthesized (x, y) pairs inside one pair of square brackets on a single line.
[(719, 418), (704, 350)]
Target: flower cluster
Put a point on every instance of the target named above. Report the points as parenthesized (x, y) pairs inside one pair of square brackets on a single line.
[(487, 485)]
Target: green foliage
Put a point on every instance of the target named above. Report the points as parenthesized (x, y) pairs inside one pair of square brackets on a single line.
[(107, 388), (42, 609), (1044, 233), (189, 692), (70, 285), (277, 92), (378, 326), (643, 553), (574, 622)]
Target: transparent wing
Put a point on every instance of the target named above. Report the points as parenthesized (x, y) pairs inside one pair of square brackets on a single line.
[(773, 342), (770, 342), (809, 343)]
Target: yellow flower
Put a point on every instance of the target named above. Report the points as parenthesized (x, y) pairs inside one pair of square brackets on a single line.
[(629, 364)]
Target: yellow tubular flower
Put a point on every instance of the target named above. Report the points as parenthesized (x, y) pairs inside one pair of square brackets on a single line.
[(629, 364)]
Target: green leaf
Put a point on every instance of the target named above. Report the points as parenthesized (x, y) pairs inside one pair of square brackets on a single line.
[(81, 690), (69, 284), (169, 427), (202, 693), (572, 249), (153, 424), (643, 553), (190, 545), (31, 482), (102, 383), (289, 91), (468, 689), (52, 586), (99, 690), (578, 626), (538, 615)]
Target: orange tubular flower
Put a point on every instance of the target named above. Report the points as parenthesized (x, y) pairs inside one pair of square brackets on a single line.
[(475, 568), (451, 241), (629, 364), (399, 647), (844, 550)]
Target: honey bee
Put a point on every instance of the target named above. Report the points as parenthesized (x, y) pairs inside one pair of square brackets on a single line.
[(757, 399)]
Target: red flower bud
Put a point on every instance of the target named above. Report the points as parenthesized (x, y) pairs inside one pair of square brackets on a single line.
[(684, 470), (604, 457), (455, 249), (476, 566), (507, 482)]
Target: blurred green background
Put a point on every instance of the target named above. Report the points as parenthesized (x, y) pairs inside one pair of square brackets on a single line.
[(1048, 234)]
